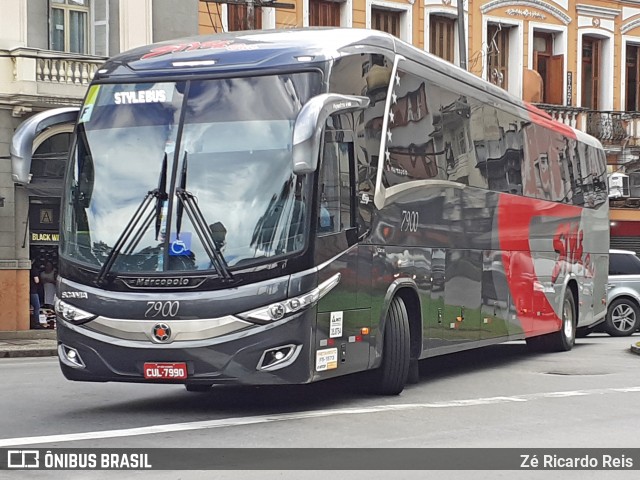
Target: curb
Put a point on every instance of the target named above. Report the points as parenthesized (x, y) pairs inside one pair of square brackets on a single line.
[(635, 348), (28, 335), (40, 352)]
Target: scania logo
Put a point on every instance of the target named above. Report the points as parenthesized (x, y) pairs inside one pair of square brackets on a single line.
[(161, 332), (74, 295)]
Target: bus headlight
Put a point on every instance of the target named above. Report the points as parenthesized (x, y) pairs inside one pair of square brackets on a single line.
[(72, 314), (280, 310)]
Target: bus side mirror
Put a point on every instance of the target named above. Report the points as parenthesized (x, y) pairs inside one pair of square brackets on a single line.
[(309, 125)]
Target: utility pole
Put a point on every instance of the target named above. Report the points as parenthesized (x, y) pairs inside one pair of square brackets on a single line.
[(462, 35)]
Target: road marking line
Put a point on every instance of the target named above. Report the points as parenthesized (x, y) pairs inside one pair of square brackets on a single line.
[(242, 421)]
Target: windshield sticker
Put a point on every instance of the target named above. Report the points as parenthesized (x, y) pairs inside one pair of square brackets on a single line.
[(87, 109), (141, 96), (180, 246)]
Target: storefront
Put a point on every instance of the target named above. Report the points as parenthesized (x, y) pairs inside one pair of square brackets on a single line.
[(39, 151)]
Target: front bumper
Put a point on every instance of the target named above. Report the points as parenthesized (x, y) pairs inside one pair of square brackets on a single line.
[(230, 359)]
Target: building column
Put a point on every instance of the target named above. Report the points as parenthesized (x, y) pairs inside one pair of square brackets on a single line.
[(136, 25)]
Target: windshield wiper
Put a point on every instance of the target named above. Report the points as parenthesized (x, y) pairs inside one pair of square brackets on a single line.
[(189, 203), (138, 224)]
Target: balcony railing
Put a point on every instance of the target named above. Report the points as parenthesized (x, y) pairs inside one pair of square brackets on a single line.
[(62, 70), (614, 128), (573, 116), (43, 76), (609, 127)]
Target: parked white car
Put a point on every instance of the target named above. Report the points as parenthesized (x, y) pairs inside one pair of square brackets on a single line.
[(623, 294)]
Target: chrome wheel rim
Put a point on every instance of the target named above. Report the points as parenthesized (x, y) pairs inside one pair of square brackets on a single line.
[(623, 317), (567, 314)]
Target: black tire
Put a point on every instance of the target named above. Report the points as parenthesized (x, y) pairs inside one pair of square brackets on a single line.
[(413, 376), (391, 377), (564, 339), (537, 344), (194, 387), (584, 332), (623, 318)]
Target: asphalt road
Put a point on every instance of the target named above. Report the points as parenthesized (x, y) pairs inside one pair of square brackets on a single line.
[(500, 396)]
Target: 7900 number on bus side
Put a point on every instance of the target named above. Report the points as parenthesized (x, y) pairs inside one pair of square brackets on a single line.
[(410, 221)]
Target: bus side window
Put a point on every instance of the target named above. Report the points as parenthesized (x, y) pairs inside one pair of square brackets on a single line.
[(336, 187), (329, 190)]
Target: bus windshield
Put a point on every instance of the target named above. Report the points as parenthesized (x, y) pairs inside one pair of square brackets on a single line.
[(161, 171)]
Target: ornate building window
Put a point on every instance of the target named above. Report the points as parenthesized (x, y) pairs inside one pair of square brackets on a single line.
[(549, 66), (386, 20), (238, 19), (632, 102), (442, 37), (69, 26), (591, 50), (324, 13), (498, 55)]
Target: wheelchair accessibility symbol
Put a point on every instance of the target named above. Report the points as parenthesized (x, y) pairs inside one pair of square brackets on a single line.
[(180, 246)]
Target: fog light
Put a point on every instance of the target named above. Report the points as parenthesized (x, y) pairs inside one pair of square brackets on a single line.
[(278, 357), (70, 357)]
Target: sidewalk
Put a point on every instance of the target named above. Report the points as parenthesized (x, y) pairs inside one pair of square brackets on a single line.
[(28, 343)]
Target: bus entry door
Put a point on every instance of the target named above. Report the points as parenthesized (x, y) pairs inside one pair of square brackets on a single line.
[(344, 314)]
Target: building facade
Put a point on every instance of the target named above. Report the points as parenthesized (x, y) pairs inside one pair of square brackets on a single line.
[(579, 60), (49, 50)]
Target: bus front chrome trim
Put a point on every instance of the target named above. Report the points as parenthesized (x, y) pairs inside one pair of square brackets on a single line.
[(328, 285), (181, 330), (279, 310)]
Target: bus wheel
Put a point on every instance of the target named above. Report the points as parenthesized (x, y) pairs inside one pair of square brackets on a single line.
[(564, 339), (196, 387), (392, 374)]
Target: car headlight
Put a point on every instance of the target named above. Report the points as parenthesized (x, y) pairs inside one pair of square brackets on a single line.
[(280, 310), (72, 314)]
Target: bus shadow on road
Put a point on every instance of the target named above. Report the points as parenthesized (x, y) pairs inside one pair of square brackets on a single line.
[(342, 392)]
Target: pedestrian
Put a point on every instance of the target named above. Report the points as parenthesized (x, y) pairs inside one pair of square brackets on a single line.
[(34, 295), (48, 281)]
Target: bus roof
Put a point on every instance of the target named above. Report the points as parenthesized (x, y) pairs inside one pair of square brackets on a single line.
[(272, 49), (242, 50)]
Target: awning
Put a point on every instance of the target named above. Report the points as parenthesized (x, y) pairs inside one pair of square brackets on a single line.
[(44, 187)]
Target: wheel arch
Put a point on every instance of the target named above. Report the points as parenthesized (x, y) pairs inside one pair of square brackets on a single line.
[(625, 296), (407, 290), (623, 292)]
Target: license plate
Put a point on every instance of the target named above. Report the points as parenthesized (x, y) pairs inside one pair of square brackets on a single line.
[(165, 371)]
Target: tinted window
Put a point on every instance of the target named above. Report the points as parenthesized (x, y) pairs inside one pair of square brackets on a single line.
[(430, 135), (623, 264), (497, 141), (368, 75)]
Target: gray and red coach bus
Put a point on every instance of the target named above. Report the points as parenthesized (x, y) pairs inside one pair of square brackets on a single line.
[(291, 206)]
